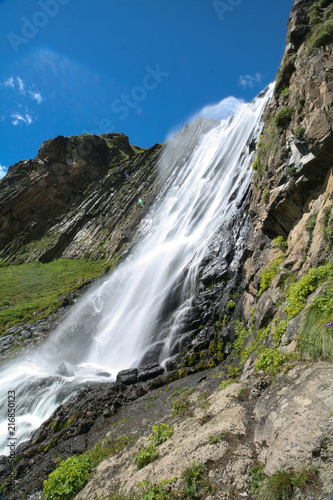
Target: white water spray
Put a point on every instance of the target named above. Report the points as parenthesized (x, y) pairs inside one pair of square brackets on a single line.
[(139, 307)]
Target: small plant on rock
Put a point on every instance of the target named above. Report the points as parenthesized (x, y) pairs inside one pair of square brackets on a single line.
[(196, 483), (162, 433), (146, 455)]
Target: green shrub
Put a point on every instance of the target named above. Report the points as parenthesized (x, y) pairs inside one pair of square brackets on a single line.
[(271, 360), (283, 117), (146, 455), (68, 479), (196, 483), (231, 305), (180, 406), (268, 275), (162, 433), (280, 243), (279, 486), (72, 474), (257, 478), (299, 292)]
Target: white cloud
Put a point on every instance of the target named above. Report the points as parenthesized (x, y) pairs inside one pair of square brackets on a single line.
[(18, 118), (9, 82), (3, 171), (36, 96), (249, 81), (21, 85), (220, 111)]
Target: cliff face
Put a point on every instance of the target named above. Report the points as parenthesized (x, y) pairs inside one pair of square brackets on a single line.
[(266, 407), (77, 198)]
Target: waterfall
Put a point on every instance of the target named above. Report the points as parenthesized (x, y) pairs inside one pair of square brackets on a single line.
[(138, 308)]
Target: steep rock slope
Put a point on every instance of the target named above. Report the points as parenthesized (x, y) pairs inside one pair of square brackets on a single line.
[(77, 198)]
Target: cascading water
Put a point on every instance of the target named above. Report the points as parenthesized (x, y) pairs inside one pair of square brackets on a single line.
[(206, 172)]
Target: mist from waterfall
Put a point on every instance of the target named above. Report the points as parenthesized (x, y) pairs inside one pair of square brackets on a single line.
[(205, 172)]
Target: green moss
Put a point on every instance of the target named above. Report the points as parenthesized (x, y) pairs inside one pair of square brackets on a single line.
[(268, 275), (283, 117), (327, 228), (33, 291)]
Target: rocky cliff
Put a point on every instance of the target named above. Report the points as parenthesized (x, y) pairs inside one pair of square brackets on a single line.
[(257, 420)]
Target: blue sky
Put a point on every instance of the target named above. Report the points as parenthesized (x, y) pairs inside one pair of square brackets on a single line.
[(138, 67)]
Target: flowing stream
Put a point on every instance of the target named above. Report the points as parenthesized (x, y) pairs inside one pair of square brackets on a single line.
[(206, 171)]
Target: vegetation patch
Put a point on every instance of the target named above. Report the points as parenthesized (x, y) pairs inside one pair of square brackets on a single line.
[(280, 242), (268, 275), (196, 483), (33, 291), (272, 360), (278, 331), (157, 491), (280, 486), (299, 292), (283, 118), (316, 337), (161, 433), (72, 474), (146, 455)]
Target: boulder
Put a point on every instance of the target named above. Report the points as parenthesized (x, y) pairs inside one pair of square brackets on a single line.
[(149, 371), (127, 377)]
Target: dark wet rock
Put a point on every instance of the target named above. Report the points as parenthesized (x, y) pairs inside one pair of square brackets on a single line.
[(128, 377), (149, 371)]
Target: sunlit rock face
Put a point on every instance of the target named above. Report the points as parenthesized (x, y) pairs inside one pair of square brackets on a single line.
[(77, 198)]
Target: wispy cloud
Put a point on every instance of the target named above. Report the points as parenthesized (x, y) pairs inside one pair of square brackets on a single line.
[(36, 96), (3, 171), (19, 86), (9, 82), (19, 118), (249, 81)]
